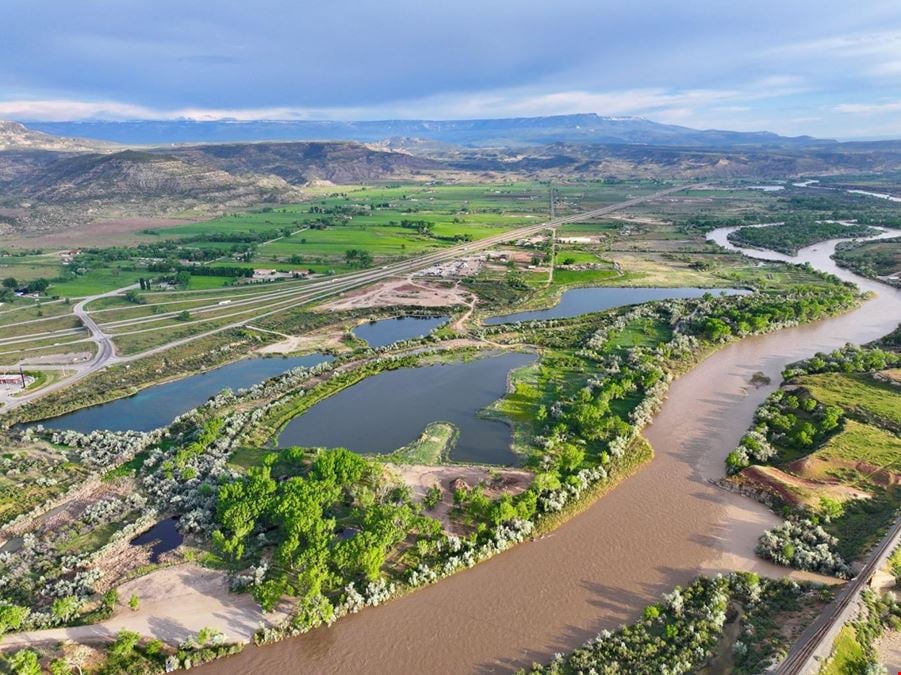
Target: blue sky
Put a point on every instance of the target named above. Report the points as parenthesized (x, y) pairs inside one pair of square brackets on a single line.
[(827, 68)]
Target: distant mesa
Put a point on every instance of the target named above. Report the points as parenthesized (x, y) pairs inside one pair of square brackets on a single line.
[(580, 128)]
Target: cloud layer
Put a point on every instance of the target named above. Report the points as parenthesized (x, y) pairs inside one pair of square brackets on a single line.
[(828, 68)]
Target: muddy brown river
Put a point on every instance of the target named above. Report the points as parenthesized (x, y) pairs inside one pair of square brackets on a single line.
[(657, 529)]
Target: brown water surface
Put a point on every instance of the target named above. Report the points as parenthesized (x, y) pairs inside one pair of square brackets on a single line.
[(654, 531)]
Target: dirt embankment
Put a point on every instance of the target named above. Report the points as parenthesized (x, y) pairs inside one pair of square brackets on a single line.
[(796, 490)]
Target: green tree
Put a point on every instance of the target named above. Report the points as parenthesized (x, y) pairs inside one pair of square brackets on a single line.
[(38, 285), (11, 617), (60, 667), (24, 662), (123, 649), (111, 598), (432, 496), (65, 609)]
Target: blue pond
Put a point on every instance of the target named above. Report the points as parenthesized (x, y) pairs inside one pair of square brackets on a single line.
[(389, 410), (164, 536), (387, 331), (585, 300), (157, 406)]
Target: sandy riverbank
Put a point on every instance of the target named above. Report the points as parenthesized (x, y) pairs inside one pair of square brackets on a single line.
[(174, 603)]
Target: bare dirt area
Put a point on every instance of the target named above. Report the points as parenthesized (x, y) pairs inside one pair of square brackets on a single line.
[(173, 604), (330, 339), (888, 649), (496, 480), (892, 376), (403, 291), (795, 490), (55, 359), (119, 231), (641, 220), (819, 468)]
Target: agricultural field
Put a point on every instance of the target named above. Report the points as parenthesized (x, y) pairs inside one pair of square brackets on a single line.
[(363, 528), (379, 224)]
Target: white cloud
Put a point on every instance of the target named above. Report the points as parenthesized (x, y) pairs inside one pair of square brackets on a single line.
[(868, 108), (501, 103)]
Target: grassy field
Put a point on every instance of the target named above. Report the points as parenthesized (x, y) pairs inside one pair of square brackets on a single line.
[(432, 446), (862, 443), (857, 466), (857, 393), (848, 656)]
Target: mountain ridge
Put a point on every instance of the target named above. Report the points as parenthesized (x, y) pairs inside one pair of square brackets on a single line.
[(479, 132)]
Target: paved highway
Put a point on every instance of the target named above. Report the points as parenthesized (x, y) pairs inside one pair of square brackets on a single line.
[(301, 294)]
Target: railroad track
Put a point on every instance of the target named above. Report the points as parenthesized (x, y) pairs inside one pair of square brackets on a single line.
[(799, 657)]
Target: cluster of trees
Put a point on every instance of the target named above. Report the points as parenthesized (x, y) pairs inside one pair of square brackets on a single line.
[(759, 312), (39, 285), (702, 222), (358, 258), (186, 271), (788, 419), (796, 233), (871, 259), (804, 545), (299, 516), (423, 227), (848, 359), (128, 653), (683, 631)]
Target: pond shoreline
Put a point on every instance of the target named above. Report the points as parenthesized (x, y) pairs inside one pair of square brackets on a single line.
[(653, 531)]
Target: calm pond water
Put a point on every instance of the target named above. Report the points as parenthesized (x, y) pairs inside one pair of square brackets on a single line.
[(578, 301), (157, 406), (390, 410), (387, 331), (164, 536), (657, 529)]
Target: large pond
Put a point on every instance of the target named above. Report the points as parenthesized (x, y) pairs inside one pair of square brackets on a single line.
[(390, 410), (157, 406), (578, 301), (388, 331)]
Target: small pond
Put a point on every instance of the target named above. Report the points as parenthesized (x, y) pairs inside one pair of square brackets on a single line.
[(163, 537), (157, 406), (389, 410), (578, 301), (388, 331)]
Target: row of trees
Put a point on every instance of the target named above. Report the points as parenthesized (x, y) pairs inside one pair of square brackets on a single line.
[(38, 285)]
